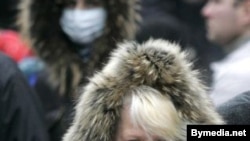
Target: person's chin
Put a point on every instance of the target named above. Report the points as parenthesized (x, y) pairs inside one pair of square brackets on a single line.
[(212, 38)]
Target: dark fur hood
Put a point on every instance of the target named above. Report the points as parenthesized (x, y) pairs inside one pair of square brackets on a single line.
[(38, 23), (158, 64)]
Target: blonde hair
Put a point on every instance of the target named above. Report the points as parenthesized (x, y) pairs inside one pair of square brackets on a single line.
[(154, 113)]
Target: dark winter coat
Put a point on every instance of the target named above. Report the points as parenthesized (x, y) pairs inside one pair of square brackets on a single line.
[(158, 64), (21, 112), (237, 110)]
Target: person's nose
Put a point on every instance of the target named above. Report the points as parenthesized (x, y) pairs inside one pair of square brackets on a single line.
[(206, 11)]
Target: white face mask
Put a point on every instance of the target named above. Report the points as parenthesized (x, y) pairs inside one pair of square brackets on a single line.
[(83, 25)]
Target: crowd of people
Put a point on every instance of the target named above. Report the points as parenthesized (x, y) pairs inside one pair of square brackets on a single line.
[(98, 70)]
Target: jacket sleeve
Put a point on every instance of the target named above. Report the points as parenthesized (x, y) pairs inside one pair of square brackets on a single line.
[(21, 114), (237, 110)]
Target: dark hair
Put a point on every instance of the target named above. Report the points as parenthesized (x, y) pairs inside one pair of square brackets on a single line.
[(72, 3)]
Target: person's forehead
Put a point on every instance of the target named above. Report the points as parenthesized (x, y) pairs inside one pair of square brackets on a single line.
[(127, 128)]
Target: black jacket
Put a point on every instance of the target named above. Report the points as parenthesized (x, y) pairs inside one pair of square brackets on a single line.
[(21, 115), (237, 110)]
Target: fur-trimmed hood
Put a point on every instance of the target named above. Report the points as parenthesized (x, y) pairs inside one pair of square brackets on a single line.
[(38, 23), (156, 63)]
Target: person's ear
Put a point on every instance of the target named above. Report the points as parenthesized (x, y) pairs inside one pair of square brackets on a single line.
[(246, 11)]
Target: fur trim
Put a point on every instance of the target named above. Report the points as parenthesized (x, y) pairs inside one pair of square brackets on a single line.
[(39, 25), (158, 64)]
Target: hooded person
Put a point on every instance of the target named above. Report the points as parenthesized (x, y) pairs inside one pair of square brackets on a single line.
[(74, 37), (146, 91)]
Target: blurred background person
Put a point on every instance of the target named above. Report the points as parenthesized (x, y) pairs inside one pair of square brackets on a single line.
[(180, 21), (12, 45), (21, 111), (73, 38), (146, 92), (228, 25), (22, 114)]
